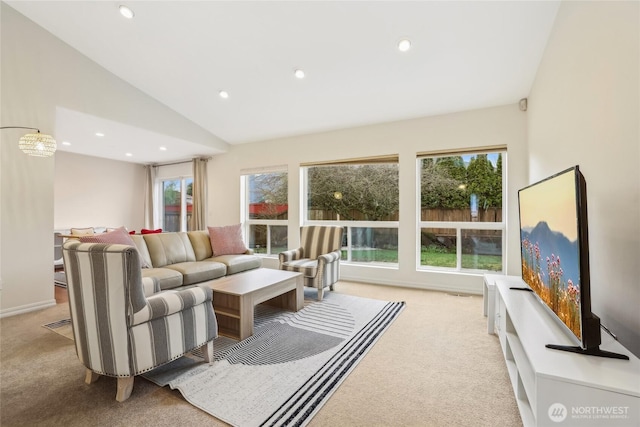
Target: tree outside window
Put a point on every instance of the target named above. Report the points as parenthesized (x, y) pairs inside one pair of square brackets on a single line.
[(461, 211), (267, 211), (353, 192), (176, 209), (364, 198)]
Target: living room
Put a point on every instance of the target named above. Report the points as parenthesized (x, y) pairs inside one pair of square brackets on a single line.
[(583, 109)]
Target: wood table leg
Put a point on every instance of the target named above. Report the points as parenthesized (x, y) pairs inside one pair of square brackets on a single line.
[(246, 317)]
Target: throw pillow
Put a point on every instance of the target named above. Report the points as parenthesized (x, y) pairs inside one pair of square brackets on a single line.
[(227, 240), (88, 231), (145, 231), (119, 236)]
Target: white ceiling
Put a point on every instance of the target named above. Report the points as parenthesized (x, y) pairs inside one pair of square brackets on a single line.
[(465, 55)]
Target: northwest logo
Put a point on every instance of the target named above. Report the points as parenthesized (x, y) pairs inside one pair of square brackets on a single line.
[(557, 412)]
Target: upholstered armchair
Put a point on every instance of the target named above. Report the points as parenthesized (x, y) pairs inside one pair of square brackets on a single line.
[(318, 257), (122, 325)]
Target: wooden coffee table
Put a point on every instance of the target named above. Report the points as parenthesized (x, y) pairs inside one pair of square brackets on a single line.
[(235, 296)]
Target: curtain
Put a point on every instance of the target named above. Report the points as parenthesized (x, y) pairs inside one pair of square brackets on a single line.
[(149, 213), (199, 207)]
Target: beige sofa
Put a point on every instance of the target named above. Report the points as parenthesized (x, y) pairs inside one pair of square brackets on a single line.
[(178, 259)]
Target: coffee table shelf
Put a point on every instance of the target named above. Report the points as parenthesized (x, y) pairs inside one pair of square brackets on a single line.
[(226, 305), (235, 296), (224, 312)]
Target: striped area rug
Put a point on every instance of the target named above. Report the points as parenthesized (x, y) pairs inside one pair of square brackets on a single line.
[(285, 372)]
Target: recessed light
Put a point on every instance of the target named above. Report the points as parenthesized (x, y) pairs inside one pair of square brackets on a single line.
[(66, 143), (404, 45), (223, 94), (99, 134), (299, 73), (128, 154), (163, 148), (125, 11)]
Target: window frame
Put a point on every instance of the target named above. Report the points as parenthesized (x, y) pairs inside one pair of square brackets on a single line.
[(184, 220), (348, 224), (245, 202), (460, 225)]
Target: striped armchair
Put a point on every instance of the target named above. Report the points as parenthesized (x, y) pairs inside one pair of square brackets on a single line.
[(121, 326), (318, 257)]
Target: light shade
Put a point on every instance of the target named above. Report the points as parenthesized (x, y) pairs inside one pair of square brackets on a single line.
[(38, 144)]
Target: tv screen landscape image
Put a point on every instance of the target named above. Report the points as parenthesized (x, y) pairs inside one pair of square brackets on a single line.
[(550, 245)]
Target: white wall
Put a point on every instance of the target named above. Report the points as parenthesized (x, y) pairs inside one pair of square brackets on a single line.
[(39, 73), (584, 109), (27, 187), (487, 127), (89, 191)]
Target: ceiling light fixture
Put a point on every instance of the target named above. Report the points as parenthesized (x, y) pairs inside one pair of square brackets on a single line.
[(66, 143), (223, 94), (126, 11), (100, 134), (404, 45), (163, 148), (299, 73), (128, 154), (35, 144)]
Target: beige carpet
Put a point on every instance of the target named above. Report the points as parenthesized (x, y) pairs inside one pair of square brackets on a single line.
[(435, 366)]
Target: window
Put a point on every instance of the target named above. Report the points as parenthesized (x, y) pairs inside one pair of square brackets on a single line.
[(266, 211), (177, 204), (461, 222), (361, 195)]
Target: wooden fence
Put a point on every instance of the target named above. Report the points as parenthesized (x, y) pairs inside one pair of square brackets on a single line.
[(353, 215), (460, 215), (450, 215)]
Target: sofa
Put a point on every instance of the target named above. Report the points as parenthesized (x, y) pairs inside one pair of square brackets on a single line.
[(182, 259)]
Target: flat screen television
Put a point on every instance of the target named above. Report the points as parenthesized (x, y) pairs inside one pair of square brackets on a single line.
[(554, 243)]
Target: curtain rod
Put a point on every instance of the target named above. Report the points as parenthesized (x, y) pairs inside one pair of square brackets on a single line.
[(179, 163)]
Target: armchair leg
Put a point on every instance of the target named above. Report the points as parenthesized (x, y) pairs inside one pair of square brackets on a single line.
[(125, 387), (207, 352), (320, 293), (90, 377)]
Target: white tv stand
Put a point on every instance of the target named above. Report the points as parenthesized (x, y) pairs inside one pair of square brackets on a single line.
[(557, 388)]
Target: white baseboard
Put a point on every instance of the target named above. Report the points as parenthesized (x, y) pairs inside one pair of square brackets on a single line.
[(475, 290), (13, 311)]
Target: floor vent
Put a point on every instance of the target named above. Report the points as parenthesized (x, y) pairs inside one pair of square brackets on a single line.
[(460, 294)]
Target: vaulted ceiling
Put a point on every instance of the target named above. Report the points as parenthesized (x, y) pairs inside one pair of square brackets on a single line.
[(463, 55)]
